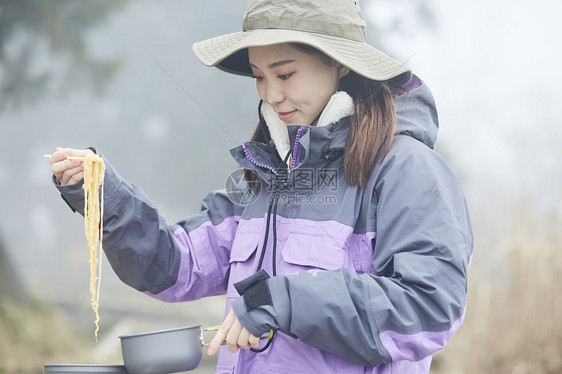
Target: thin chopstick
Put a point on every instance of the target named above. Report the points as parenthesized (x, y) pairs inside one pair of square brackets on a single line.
[(68, 157)]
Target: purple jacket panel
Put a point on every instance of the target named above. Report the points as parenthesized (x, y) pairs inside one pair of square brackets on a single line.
[(202, 271)]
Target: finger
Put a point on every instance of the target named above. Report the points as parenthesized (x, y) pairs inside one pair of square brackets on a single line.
[(80, 152), (233, 335), (221, 334), (76, 178), (70, 172), (244, 339), (216, 342), (254, 341), (60, 165), (59, 155), (62, 153)]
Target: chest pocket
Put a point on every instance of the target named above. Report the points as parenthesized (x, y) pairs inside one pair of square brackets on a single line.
[(242, 255), (244, 246), (313, 250)]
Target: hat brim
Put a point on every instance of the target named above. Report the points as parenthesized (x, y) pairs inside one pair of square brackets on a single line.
[(229, 52)]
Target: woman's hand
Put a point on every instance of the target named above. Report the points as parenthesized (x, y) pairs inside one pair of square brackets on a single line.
[(235, 334), (68, 171)]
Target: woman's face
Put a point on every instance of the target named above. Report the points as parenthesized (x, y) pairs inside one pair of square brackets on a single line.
[(296, 84)]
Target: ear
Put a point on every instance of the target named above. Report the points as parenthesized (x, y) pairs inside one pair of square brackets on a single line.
[(342, 71)]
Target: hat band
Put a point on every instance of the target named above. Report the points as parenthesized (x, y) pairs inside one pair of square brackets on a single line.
[(332, 29)]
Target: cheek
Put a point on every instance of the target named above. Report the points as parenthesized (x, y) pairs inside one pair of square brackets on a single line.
[(333, 80), (325, 86)]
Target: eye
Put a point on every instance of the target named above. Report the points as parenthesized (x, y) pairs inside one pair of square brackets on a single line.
[(259, 78), (284, 77)]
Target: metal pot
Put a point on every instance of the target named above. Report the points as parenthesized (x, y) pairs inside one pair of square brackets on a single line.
[(165, 351), (83, 369)]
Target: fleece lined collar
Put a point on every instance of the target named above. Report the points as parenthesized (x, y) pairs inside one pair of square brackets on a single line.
[(339, 106)]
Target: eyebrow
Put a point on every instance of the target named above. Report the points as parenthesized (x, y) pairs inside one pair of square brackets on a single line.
[(275, 64)]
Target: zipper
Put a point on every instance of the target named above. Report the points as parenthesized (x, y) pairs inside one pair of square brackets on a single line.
[(297, 148), (256, 162)]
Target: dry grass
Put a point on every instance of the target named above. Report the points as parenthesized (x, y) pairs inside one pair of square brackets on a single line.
[(514, 316), (32, 334)]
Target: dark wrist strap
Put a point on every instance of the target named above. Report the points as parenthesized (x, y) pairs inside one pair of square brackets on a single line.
[(255, 290)]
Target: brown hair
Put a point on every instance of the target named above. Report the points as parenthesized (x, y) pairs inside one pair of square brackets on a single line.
[(372, 126)]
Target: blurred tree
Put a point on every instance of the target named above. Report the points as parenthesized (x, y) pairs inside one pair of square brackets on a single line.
[(30, 30)]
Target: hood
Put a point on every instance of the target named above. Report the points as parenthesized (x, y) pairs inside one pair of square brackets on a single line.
[(417, 113)]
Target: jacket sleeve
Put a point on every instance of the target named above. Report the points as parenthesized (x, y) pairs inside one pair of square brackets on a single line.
[(178, 262), (414, 301)]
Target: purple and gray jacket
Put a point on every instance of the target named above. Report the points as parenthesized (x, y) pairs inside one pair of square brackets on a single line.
[(369, 280)]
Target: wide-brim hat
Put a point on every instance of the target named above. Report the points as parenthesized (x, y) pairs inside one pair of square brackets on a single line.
[(335, 27)]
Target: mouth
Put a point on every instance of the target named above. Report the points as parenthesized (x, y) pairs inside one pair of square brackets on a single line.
[(286, 116)]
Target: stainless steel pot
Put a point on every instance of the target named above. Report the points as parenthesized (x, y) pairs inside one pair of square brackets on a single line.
[(165, 351), (83, 369)]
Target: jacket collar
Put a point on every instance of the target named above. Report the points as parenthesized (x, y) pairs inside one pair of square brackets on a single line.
[(339, 106), (416, 112)]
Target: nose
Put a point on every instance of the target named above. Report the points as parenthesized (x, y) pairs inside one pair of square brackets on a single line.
[(273, 93)]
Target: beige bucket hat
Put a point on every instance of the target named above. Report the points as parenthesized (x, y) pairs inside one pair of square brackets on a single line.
[(335, 27)]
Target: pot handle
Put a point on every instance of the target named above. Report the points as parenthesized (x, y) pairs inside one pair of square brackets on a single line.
[(216, 328)]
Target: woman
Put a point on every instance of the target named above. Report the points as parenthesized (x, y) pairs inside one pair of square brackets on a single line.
[(356, 250)]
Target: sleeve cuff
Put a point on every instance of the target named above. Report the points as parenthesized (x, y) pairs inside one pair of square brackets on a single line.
[(73, 195), (255, 290), (275, 316)]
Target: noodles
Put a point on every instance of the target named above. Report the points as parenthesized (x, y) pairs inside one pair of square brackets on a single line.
[(94, 172)]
